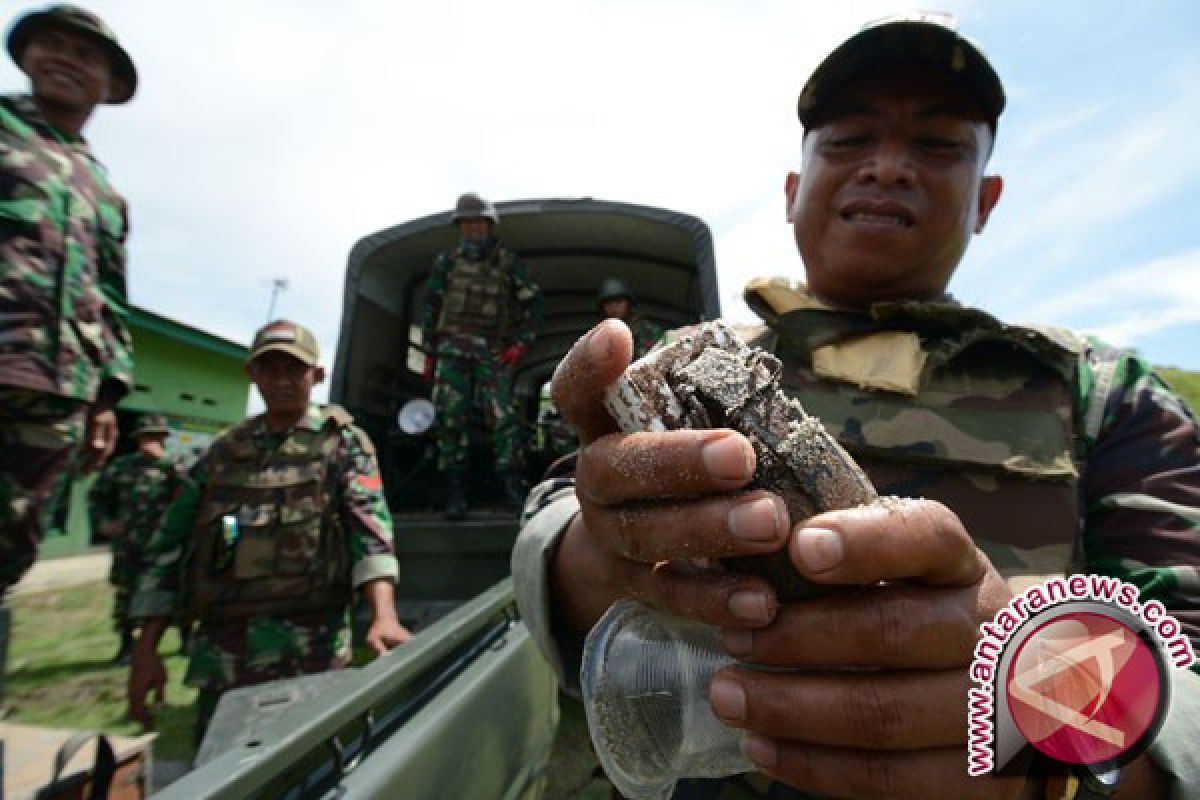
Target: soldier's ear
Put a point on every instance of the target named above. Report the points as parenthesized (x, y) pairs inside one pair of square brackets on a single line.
[(116, 87), (318, 375), (989, 194), (791, 191)]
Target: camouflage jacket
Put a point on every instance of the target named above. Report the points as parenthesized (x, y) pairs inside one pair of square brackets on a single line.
[(1137, 475), (248, 650), (62, 263), (521, 330), (134, 490)]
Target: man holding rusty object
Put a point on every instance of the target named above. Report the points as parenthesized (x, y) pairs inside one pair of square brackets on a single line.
[(1021, 452)]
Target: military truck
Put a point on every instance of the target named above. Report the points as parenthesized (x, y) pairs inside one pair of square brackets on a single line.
[(468, 708)]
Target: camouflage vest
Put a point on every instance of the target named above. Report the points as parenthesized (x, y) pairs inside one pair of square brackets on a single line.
[(939, 401), (267, 539), (477, 299)]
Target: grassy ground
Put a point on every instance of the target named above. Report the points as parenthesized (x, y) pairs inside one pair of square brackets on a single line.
[(60, 675), (60, 671), (1184, 382)]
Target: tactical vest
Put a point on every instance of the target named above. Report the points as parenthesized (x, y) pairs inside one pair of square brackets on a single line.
[(939, 401), (267, 539), (477, 299)]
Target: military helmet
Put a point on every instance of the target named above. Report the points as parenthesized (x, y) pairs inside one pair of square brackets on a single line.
[(149, 423), (82, 21), (472, 206), (614, 289)]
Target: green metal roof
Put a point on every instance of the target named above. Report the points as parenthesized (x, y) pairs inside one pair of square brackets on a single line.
[(186, 333)]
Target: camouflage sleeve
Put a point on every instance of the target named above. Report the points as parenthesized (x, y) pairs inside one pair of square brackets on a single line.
[(364, 511), (531, 301), (116, 369), (158, 590), (104, 502), (431, 305), (1141, 482)]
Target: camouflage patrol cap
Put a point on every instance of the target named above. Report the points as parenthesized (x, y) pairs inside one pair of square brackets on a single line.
[(472, 206), (82, 21), (286, 337), (924, 39), (149, 423)]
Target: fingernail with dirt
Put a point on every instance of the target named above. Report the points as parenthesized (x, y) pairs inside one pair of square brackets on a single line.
[(752, 608), (757, 521), (817, 549), (726, 458)]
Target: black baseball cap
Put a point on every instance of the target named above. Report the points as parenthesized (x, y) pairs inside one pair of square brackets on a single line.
[(925, 39)]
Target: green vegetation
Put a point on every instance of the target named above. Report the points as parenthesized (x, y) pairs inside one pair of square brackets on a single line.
[(60, 671), (1184, 382)]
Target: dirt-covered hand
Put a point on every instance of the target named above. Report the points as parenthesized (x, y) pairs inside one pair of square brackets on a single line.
[(657, 509), (880, 706)]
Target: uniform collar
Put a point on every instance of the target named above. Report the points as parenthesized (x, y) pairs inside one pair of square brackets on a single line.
[(313, 420), (27, 107), (773, 297)]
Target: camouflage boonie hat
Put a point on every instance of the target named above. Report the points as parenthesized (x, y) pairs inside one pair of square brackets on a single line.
[(286, 337), (81, 21), (472, 206), (925, 39), (150, 423)]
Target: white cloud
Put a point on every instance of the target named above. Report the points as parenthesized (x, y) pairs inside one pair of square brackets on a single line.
[(1134, 302)]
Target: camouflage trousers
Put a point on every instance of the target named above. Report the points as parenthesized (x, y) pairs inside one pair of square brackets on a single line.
[(465, 384), (38, 436), (233, 653), (127, 565)]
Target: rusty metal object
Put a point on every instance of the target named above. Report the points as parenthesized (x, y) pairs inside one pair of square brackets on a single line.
[(711, 379)]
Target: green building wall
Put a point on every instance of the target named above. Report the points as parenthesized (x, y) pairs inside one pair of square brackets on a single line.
[(193, 377)]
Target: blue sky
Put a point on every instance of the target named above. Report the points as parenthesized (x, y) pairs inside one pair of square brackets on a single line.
[(269, 135)]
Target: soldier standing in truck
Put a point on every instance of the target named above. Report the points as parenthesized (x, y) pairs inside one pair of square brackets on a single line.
[(480, 317)]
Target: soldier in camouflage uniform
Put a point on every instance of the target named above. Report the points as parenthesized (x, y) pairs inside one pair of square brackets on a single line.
[(127, 504), (277, 525), (1047, 451), (65, 352), (617, 301), (479, 317)]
